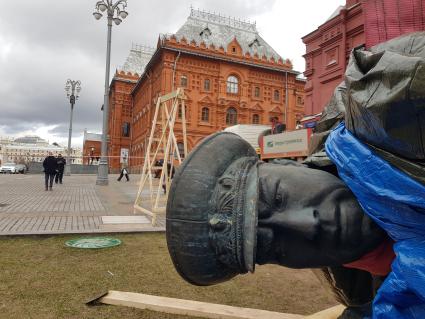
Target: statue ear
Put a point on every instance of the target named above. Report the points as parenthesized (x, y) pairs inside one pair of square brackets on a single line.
[(285, 162)]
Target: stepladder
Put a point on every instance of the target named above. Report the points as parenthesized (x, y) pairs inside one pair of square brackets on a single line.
[(165, 151)]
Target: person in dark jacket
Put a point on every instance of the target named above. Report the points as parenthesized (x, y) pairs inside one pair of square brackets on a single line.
[(124, 170), (50, 166), (61, 166)]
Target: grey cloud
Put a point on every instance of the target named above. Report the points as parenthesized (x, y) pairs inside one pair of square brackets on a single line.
[(50, 42)]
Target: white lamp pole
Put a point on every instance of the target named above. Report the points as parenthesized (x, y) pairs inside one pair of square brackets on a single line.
[(115, 12)]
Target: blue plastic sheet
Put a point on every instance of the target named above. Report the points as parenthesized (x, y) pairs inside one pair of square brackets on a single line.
[(397, 203)]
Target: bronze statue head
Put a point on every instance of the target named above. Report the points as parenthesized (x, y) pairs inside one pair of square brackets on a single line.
[(228, 211)]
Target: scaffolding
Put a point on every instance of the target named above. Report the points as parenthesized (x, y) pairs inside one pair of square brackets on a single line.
[(162, 145)]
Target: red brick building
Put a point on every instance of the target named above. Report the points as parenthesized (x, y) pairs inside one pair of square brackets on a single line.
[(327, 52), (91, 148), (121, 104), (230, 76), (120, 117), (357, 23)]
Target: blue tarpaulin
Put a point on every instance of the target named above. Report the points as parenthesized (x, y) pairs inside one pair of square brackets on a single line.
[(397, 204)]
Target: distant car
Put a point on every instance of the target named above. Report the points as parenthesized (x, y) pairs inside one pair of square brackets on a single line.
[(8, 168), (21, 168), (12, 168)]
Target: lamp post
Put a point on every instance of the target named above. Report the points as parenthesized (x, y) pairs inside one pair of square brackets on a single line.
[(72, 89), (115, 11)]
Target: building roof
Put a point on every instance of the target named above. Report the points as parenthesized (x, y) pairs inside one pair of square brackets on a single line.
[(335, 13), (211, 28), (301, 77), (31, 140), (88, 136), (137, 59), (34, 147)]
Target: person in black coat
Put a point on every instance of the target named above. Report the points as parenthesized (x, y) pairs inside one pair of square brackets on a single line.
[(61, 167), (50, 166)]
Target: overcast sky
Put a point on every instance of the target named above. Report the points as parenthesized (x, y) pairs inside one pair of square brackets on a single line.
[(45, 42)]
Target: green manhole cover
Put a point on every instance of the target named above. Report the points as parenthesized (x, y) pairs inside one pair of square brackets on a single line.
[(93, 243)]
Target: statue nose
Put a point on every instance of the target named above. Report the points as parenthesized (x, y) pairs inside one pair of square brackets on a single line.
[(304, 222)]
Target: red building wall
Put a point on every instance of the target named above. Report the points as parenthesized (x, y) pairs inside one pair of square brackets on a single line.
[(360, 22), (120, 114), (327, 52), (91, 150), (387, 19)]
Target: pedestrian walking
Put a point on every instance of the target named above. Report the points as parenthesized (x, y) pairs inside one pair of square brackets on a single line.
[(61, 162), (124, 171), (50, 166), (171, 172)]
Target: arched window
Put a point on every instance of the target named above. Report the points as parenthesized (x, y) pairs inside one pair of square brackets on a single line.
[(183, 81), (276, 95), (300, 100), (207, 85), (180, 112), (232, 84), (255, 119), (180, 147), (205, 114), (206, 33), (257, 91), (126, 129), (231, 116)]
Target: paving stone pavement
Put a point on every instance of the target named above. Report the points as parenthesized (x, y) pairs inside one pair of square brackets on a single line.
[(76, 206)]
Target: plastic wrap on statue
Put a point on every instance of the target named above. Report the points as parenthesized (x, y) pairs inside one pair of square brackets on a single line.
[(386, 96), (379, 153), (383, 103)]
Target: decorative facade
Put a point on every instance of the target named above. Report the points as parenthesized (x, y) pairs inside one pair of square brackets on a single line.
[(327, 52), (357, 23), (24, 153), (230, 76)]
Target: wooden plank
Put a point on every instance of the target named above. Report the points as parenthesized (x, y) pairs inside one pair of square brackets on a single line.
[(188, 307), (177, 93), (143, 210), (160, 210), (331, 313)]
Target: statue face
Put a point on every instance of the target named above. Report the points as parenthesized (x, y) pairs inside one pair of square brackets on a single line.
[(308, 218)]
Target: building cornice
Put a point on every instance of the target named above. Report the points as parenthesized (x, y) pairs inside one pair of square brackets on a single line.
[(348, 12), (222, 52), (208, 55)]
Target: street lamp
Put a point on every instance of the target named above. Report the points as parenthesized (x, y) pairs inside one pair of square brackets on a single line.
[(72, 89), (115, 12)]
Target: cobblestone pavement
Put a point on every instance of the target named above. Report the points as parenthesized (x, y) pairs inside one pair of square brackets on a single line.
[(76, 206)]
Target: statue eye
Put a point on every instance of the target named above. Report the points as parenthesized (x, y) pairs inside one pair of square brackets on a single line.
[(226, 183), (218, 223)]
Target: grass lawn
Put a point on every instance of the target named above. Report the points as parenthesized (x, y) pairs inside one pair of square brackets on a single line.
[(41, 278)]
